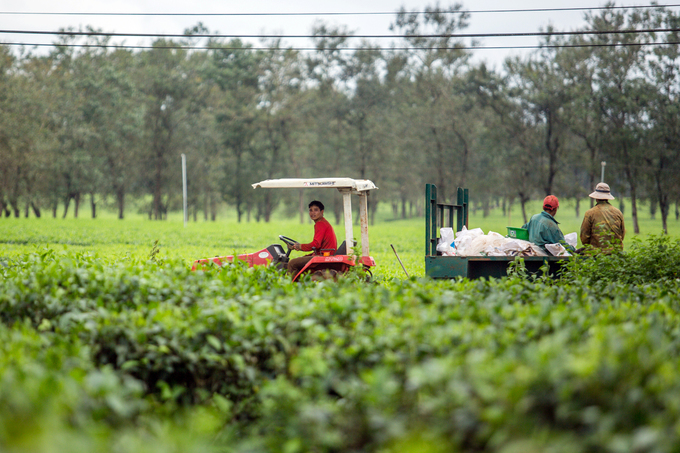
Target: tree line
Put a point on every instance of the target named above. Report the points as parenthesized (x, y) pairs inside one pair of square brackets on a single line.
[(89, 124)]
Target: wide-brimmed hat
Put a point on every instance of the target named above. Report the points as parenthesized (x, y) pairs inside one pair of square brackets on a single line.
[(602, 192)]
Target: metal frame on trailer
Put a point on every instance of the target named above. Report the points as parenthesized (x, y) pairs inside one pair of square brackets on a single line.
[(435, 215)]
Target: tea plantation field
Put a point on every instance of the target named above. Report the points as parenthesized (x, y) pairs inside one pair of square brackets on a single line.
[(109, 343), (135, 236)]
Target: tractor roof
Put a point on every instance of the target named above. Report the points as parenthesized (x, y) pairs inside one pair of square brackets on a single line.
[(347, 186), (356, 185)]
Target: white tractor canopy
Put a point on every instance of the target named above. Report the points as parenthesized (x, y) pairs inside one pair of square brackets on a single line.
[(358, 185), (347, 186)]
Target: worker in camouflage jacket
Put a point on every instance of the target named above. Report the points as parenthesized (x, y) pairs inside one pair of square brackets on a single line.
[(543, 228), (603, 226)]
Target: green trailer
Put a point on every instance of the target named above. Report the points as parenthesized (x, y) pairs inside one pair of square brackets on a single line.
[(439, 215)]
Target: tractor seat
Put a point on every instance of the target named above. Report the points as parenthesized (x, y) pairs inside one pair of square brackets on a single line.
[(342, 250)]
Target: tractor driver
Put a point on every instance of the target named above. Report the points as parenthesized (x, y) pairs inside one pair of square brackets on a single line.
[(324, 239)]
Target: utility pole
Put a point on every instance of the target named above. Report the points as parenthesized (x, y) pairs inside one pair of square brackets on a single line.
[(603, 163)]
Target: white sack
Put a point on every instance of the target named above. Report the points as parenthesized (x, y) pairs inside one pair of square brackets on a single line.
[(557, 250), (483, 245), (519, 247), (514, 245), (537, 251), (445, 242), (464, 238), (571, 239), (446, 236), (476, 243)]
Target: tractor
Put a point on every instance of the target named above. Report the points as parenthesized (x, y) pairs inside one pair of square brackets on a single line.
[(324, 264)]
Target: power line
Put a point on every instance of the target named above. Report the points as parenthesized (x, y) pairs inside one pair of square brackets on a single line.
[(337, 13), (452, 35), (353, 49)]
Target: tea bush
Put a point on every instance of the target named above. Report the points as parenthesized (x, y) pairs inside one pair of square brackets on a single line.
[(133, 354), (656, 258)]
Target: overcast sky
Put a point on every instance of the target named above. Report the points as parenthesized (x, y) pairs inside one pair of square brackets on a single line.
[(481, 22)]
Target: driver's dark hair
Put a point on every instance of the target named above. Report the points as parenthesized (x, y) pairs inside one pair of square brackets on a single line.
[(316, 203)]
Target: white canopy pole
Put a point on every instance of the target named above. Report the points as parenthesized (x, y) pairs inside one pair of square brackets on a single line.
[(363, 220), (347, 208)]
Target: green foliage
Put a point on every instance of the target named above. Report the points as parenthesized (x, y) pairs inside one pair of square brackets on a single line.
[(105, 352), (155, 252), (657, 258), (48, 382)]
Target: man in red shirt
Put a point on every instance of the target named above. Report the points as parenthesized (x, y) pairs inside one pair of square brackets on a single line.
[(324, 239)]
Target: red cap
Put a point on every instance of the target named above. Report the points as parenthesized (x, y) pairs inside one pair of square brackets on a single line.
[(550, 202)]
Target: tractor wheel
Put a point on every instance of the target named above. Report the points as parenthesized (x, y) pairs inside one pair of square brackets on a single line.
[(325, 274)]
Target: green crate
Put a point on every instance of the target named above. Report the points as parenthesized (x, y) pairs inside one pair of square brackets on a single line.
[(518, 233)]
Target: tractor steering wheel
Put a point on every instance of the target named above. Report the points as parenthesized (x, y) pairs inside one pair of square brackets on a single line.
[(289, 242)]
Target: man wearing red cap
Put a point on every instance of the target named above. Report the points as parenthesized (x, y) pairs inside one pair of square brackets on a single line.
[(543, 227)]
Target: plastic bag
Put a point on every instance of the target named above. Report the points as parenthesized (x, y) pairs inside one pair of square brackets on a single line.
[(464, 238), (571, 239), (446, 236), (557, 249), (537, 251), (446, 242), (520, 247), (514, 245), (484, 244)]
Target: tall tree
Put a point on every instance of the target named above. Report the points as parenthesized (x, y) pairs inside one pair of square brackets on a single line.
[(368, 118), (325, 153), (111, 114), (166, 84), (436, 58), (514, 136), (281, 95), (621, 90), (73, 162), (11, 161), (663, 153), (585, 119), (235, 71), (542, 91)]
